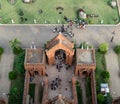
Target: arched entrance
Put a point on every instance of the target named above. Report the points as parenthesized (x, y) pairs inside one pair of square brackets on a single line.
[(60, 42), (84, 73), (36, 73), (60, 54)]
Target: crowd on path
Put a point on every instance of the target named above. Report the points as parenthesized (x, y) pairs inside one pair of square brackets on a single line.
[(56, 83), (66, 30)]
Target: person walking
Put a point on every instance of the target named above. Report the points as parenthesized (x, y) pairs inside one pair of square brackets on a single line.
[(112, 39)]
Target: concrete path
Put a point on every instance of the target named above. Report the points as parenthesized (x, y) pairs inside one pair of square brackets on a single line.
[(113, 68), (6, 64), (65, 75)]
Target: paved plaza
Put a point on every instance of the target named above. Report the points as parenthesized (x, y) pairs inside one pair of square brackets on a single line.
[(41, 34), (65, 88)]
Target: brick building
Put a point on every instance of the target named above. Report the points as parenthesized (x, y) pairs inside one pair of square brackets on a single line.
[(35, 64)]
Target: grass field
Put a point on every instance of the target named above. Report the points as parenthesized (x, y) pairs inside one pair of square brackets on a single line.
[(51, 15)]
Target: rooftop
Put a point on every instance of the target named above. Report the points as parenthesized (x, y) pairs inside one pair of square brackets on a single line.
[(85, 56), (34, 55), (60, 38)]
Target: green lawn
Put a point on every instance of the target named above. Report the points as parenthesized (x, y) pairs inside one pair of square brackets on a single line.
[(51, 15)]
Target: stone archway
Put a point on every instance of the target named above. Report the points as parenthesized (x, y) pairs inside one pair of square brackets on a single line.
[(84, 73), (60, 42), (36, 72), (51, 55), (60, 54)]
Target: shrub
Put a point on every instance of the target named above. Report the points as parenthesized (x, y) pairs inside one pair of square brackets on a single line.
[(85, 45), (91, 22), (17, 50), (13, 91), (1, 50), (12, 75), (6, 20), (117, 49), (44, 46), (103, 48), (21, 19), (19, 63), (21, 13), (108, 99), (100, 98), (105, 74)]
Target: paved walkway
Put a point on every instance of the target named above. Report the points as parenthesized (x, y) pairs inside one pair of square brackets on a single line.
[(113, 68), (65, 87), (6, 63)]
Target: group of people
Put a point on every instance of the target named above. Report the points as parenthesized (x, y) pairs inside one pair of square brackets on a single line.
[(55, 83), (61, 29), (60, 59), (81, 24), (67, 31)]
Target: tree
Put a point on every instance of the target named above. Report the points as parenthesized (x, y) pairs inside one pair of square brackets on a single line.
[(15, 45), (12, 75), (108, 99), (1, 50), (100, 98), (117, 49), (14, 92), (103, 48), (21, 12), (105, 74), (19, 63)]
